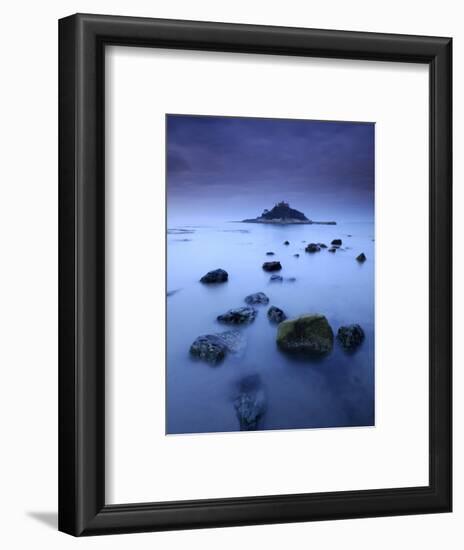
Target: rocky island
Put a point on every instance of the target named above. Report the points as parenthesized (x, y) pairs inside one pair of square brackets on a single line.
[(283, 214)]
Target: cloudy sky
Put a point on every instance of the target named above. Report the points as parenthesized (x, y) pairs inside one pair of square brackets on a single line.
[(229, 168)]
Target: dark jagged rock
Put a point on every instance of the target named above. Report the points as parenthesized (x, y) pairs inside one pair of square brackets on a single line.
[(269, 253), (276, 279), (282, 213), (272, 266), (238, 316), (361, 258), (296, 255), (276, 315), (213, 348), (307, 334), (350, 336), (333, 249), (313, 247), (250, 405), (209, 348), (215, 276), (336, 242), (257, 298)]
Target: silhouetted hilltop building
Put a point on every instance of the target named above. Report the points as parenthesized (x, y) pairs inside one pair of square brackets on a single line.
[(282, 211)]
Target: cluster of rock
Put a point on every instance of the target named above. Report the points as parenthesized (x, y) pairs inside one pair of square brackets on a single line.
[(335, 245), (312, 335), (213, 348), (308, 334)]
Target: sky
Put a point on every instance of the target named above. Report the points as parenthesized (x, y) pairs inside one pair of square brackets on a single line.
[(231, 168)]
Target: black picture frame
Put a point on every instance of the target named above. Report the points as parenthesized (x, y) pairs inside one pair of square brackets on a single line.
[(82, 508)]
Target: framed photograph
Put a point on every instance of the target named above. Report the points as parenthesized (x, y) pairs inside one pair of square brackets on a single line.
[(255, 274)]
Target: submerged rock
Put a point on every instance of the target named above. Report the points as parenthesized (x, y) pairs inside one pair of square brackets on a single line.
[(276, 279), (172, 292), (213, 348), (361, 258), (275, 314), (272, 266), (312, 247), (296, 255), (350, 336), (238, 316), (322, 245), (257, 298), (215, 276), (250, 405), (309, 334), (286, 243), (210, 348), (291, 279), (336, 242), (234, 340), (269, 253), (333, 249)]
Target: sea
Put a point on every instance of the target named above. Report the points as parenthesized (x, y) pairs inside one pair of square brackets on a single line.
[(334, 391)]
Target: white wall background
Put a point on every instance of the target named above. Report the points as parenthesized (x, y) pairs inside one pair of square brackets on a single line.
[(28, 273)]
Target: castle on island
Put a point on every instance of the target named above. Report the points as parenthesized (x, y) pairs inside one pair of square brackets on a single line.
[(282, 213)]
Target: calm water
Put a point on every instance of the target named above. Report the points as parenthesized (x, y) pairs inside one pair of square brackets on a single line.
[(337, 390)]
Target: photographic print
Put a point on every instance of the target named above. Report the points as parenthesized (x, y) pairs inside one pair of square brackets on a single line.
[(270, 274)]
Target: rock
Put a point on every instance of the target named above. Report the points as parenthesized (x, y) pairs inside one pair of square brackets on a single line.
[(276, 315), (238, 316), (313, 247), (291, 279), (213, 348), (322, 245), (276, 279), (349, 235), (296, 255), (336, 242), (286, 243), (272, 266), (257, 298), (308, 334), (333, 249), (350, 336), (209, 348), (250, 405), (234, 340), (361, 258), (172, 292), (269, 253), (215, 276)]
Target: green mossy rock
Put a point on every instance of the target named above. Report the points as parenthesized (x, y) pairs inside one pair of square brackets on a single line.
[(308, 334)]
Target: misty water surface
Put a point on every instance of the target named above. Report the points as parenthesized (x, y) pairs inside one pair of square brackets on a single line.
[(335, 391)]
